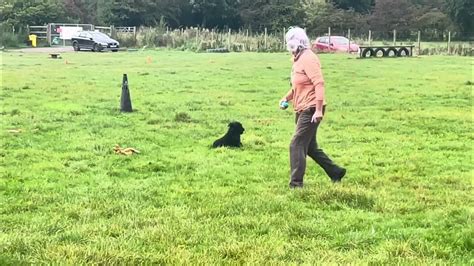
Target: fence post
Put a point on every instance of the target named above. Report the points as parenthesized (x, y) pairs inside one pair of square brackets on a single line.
[(212, 38), (370, 38), (394, 37), (349, 37), (265, 40), (48, 33), (247, 40), (329, 34), (449, 42), (419, 42), (228, 39), (197, 34), (284, 33)]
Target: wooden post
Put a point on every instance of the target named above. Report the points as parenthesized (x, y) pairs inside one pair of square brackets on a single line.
[(265, 39), (329, 34), (394, 37), (247, 40), (370, 38), (212, 38), (419, 42), (48, 33), (284, 34), (228, 39), (349, 37), (449, 42), (197, 34)]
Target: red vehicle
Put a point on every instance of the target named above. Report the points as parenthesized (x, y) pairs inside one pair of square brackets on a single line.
[(334, 44)]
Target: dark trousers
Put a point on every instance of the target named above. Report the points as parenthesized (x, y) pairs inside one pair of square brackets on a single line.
[(304, 144)]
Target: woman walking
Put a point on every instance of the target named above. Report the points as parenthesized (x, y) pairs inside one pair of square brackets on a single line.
[(307, 95)]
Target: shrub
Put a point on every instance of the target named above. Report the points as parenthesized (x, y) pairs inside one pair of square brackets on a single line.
[(10, 39)]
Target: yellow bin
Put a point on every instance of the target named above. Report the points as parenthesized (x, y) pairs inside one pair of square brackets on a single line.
[(32, 38)]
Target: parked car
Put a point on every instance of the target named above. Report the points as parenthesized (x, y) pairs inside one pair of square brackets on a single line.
[(334, 44), (95, 41)]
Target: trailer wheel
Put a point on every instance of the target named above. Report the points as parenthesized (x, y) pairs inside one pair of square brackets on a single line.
[(368, 52), (379, 52), (391, 52), (403, 52)]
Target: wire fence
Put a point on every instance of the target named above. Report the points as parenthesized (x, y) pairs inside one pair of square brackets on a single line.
[(198, 39), (245, 40)]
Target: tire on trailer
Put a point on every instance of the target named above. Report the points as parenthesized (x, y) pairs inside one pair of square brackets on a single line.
[(395, 52), (368, 52), (403, 52), (378, 50)]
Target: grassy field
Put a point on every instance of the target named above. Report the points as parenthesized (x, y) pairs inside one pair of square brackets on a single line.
[(402, 127)]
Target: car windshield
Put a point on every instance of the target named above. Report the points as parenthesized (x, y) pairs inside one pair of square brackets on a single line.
[(339, 40), (100, 35)]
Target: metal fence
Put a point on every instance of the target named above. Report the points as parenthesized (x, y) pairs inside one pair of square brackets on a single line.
[(54, 34), (200, 39)]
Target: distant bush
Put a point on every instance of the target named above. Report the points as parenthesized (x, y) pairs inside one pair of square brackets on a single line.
[(10, 39), (126, 40)]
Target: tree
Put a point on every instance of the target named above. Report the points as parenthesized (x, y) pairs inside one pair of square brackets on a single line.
[(20, 13), (271, 14), (433, 23), (82, 11), (319, 16), (133, 13), (360, 6), (215, 13), (393, 14), (462, 13)]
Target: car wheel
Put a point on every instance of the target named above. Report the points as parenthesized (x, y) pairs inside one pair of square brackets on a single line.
[(97, 47), (76, 47)]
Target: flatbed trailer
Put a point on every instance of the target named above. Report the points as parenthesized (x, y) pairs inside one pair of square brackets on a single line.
[(386, 51)]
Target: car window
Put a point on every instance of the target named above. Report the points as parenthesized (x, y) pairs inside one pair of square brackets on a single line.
[(82, 35), (340, 40), (323, 40), (100, 34)]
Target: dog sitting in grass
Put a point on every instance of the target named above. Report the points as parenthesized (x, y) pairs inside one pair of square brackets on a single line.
[(232, 137)]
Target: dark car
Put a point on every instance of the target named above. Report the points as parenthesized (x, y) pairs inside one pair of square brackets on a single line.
[(95, 41)]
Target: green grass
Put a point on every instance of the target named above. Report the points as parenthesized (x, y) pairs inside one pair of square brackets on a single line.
[(402, 127)]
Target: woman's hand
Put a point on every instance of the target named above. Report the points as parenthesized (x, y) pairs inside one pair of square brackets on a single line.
[(282, 107), (317, 117)]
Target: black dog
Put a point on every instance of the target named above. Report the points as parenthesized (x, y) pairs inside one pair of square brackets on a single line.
[(232, 137)]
